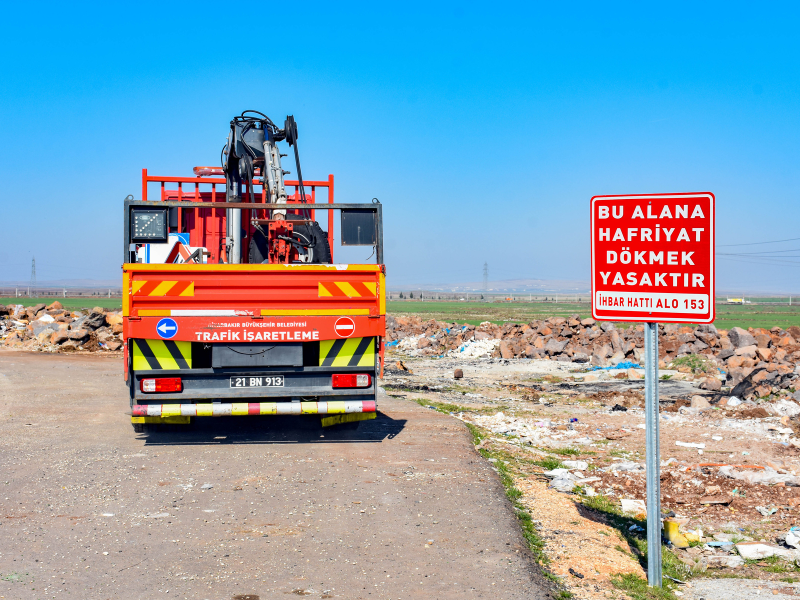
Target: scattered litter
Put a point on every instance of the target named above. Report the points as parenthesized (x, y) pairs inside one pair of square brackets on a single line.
[(618, 407), (793, 537), (580, 465), (690, 445), (673, 534), (574, 573), (633, 506), (767, 511), (621, 365), (206, 486)]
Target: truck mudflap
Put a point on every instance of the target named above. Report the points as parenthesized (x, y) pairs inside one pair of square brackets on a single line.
[(221, 409)]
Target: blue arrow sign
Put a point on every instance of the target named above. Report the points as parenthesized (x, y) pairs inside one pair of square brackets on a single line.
[(167, 328)]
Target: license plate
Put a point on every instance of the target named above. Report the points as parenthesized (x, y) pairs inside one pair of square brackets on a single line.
[(267, 381)]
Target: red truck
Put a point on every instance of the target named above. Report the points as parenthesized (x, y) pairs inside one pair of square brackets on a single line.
[(232, 302)]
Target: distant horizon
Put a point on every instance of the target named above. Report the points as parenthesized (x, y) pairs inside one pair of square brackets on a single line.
[(535, 287)]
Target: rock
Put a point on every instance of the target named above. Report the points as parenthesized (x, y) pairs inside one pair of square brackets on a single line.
[(506, 351), (59, 337), (40, 325), (458, 374), (95, 320), (730, 561), (116, 328), (747, 351), (35, 310), (759, 550), (616, 358), (116, 318), (44, 336), (700, 403), (638, 355), (607, 326), (746, 387), (764, 353), (555, 347), (580, 357), (423, 343), (77, 323), (78, 335), (55, 306), (794, 331), (712, 384), (4, 310), (69, 346), (741, 338), (763, 340), (634, 374), (725, 353), (114, 345), (591, 322), (784, 408)]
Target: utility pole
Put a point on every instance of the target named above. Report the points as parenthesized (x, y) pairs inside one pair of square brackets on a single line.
[(32, 284), (485, 276)]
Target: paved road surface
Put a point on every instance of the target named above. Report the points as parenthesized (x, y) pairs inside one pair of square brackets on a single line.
[(401, 508)]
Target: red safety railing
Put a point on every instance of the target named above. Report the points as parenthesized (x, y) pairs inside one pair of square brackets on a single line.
[(201, 223)]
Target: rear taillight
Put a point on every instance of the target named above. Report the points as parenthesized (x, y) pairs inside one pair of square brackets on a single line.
[(351, 381), (161, 385)]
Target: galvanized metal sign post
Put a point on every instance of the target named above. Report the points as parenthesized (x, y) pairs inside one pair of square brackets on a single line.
[(653, 262)]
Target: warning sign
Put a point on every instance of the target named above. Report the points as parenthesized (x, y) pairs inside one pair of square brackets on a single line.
[(653, 258)]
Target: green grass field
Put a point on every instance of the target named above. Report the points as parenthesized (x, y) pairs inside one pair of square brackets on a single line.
[(728, 315), (70, 303)]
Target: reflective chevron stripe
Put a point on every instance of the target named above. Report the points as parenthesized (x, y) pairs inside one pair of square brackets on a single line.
[(349, 352), (155, 355), (348, 289), (163, 288), (332, 407)]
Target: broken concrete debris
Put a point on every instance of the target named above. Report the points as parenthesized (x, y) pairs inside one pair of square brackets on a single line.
[(753, 363), (54, 329)]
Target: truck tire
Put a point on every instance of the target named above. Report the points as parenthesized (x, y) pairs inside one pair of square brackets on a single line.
[(320, 253)]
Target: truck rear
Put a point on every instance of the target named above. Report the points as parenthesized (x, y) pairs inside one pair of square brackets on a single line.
[(251, 320)]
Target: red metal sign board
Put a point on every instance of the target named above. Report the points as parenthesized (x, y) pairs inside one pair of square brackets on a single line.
[(653, 258)]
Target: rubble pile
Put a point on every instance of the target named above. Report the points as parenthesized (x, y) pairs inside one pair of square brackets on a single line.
[(754, 362), (54, 329)]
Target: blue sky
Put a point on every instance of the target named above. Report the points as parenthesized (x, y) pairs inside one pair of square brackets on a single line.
[(483, 129)]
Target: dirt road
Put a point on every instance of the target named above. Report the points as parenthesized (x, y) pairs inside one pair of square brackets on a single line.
[(237, 507)]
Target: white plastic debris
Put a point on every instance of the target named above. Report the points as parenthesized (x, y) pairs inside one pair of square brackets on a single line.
[(690, 445), (632, 506), (793, 538), (733, 401), (581, 465)]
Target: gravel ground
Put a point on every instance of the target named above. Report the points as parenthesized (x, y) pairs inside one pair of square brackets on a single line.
[(240, 507), (740, 589)]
